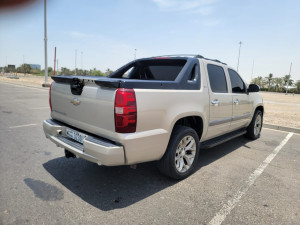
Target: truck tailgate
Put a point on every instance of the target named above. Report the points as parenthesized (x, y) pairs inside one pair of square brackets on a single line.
[(91, 111)]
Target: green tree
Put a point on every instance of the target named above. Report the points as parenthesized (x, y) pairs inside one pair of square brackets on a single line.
[(270, 79), (287, 81), (108, 72), (50, 70), (25, 68), (66, 71), (96, 72), (297, 84), (258, 81), (278, 81)]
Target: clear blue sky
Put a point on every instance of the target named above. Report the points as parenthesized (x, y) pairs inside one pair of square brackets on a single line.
[(107, 32)]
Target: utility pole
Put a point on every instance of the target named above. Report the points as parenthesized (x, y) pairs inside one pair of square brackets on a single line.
[(81, 60), (75, 61), (287, 83), (135, 53), (23, 66), (252, 70), (237, 69), (45, 84), (54, 60)]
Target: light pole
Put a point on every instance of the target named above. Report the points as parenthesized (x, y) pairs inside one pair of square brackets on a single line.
[(45, 84), (237, 69), (81, 59), (135, 53), (23, 66), (75, 61), (57, 66), (252, 70), (287, 83)]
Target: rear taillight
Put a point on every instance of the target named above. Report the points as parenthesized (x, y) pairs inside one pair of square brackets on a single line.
[(50, 104), (125, 111)]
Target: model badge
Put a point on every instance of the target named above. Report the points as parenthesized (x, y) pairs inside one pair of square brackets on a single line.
[(75, 101)]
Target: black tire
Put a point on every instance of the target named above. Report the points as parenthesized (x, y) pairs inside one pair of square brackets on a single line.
[(169, 165), (254, 129)]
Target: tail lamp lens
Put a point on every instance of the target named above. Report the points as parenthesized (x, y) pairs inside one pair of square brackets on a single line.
[(125, 111)]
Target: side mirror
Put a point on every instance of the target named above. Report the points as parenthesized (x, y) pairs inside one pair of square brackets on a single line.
[(253, 88)]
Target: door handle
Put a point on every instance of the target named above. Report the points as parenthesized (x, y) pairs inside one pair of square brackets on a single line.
[(215, 102), (236, 101)]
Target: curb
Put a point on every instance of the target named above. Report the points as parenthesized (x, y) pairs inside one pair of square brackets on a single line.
[(282, 128)]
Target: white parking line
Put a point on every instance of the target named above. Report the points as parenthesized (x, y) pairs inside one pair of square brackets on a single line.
[(26, 125), (226, 209), (45, 107)]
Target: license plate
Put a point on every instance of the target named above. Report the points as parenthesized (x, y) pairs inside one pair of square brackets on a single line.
[(75, 135)]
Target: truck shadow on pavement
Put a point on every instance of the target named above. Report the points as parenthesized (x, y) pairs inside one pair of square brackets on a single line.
[(109, 188)]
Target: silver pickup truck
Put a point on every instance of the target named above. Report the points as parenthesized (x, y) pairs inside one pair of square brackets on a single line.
[(162, 109)]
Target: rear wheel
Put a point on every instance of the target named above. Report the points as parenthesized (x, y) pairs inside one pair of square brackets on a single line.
[(254, 129), (182, 153)]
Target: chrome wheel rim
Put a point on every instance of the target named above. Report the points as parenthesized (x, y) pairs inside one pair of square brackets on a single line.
[(257, 125), (185, 154)]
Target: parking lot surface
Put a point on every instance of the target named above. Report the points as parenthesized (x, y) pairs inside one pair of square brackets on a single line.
[(238, 182)]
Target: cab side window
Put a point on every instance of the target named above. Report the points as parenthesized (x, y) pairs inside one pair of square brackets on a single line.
[(237, 84), (217, 78)]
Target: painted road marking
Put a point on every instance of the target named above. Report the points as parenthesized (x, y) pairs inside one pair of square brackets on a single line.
[(45, 107), (26, 125), (226, 209)]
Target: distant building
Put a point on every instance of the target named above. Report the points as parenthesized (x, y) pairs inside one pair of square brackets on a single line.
[(35, 66)]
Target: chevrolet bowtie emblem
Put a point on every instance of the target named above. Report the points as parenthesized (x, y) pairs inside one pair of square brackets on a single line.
[(75, 101)]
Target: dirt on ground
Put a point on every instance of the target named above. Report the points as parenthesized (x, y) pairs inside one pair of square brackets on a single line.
[(25, 79), (280, 109)]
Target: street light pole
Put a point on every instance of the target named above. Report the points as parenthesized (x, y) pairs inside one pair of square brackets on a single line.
[(287, 83), (81, 59), (252, 70), (45, 39), (237, 69), (75, 61), (135, 53)]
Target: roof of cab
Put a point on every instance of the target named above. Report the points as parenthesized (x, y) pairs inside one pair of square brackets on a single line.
[(187, 56)]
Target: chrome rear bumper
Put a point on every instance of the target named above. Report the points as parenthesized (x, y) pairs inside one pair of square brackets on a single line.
[(94, 149)]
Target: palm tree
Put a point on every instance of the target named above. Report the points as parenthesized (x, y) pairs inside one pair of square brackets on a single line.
[(278, 81), (287, 81), (270, 79)]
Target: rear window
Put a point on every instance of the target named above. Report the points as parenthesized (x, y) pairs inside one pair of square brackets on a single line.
[(151, 69), (165, 72)]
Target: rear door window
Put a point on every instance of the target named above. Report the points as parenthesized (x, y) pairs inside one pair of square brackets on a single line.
[(217, 79)]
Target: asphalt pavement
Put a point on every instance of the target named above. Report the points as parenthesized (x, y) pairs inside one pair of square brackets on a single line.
[(238, 182)]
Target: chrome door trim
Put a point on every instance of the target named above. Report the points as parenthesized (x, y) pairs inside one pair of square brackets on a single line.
[(229, 119)]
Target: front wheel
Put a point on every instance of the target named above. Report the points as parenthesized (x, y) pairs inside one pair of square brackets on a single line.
[(182, 153), (254, 128)]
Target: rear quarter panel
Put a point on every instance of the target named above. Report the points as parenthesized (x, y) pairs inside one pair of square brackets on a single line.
[(158, 111)]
